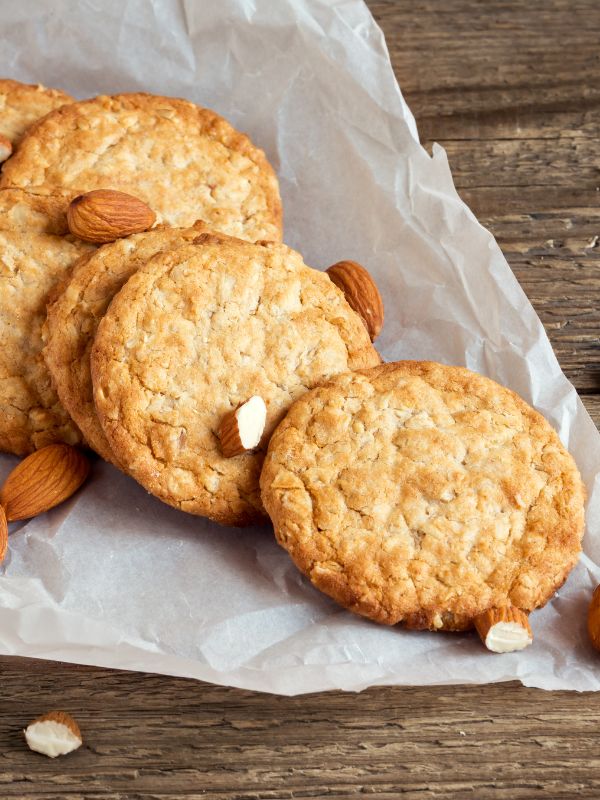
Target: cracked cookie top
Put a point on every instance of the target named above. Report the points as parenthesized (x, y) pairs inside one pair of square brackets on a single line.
[(79, 305), (186, 162), (420, 493), (35, 255), (194, 333), (22, 104)]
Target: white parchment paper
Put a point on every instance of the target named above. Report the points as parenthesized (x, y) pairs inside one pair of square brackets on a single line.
[(115, 578)]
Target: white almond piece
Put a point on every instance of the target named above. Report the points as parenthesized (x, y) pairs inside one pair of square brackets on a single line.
[(54, 734), (505, 637), (251, 417)]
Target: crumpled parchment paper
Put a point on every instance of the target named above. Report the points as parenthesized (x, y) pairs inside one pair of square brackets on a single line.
[(116, 579)]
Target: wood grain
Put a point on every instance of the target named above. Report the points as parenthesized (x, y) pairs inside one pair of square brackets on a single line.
[(152, 737), (511, 89)]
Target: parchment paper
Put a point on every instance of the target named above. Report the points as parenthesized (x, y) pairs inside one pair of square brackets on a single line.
[(115, 578)]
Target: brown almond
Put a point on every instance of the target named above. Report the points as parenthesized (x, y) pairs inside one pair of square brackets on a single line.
[(3, 534), (593, 620), (5, 148), (43, 480), (362, 295), (504, 630), (104, 215)]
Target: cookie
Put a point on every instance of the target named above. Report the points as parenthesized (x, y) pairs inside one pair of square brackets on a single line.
[(34, 257), (79, 306), (198, 331), (22, 104), (186, 162), (425, 494)]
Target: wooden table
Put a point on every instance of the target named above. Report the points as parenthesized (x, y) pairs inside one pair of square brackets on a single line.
[(512, 91)]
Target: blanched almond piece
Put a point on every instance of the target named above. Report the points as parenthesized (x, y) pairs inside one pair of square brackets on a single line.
[(362, 295), (3, 534), (503, 630), (241, 429), (5, 148), (43, 480), (593, 621), (104, 215), (53, 734)]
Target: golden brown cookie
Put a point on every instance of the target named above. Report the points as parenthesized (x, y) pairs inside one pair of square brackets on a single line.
[(186, 162), (34, 257), (79, 306), (420, 493), (22, 104), (198, 331)]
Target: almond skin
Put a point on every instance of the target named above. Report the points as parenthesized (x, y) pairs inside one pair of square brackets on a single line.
[(229, 436), (362, 295), (3, 534), (504, 630), (5, 148), (43, 480), (63, 719), (104, 215), (593, 620)]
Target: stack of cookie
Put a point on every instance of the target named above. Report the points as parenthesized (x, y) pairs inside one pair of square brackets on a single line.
[(192, 339), (185, 162)]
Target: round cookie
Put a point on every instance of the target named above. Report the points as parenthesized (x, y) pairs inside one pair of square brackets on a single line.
[(75, 313), (425, 494), (186, 162), (34, 257), (193, 334), (22, 104)]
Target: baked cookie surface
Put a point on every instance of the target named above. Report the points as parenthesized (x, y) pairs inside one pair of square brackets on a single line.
[(34, 257), (198, 331), (22, 104), (74, 315), (185, 162), (420, 493)]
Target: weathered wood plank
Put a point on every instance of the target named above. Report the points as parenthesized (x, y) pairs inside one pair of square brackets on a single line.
[(496, 70), (145, 741)]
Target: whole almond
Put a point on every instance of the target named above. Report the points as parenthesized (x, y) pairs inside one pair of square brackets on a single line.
[(5, 148), (362, 295), (3, 534), (104, 215), (43, 480), (594, 619)]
